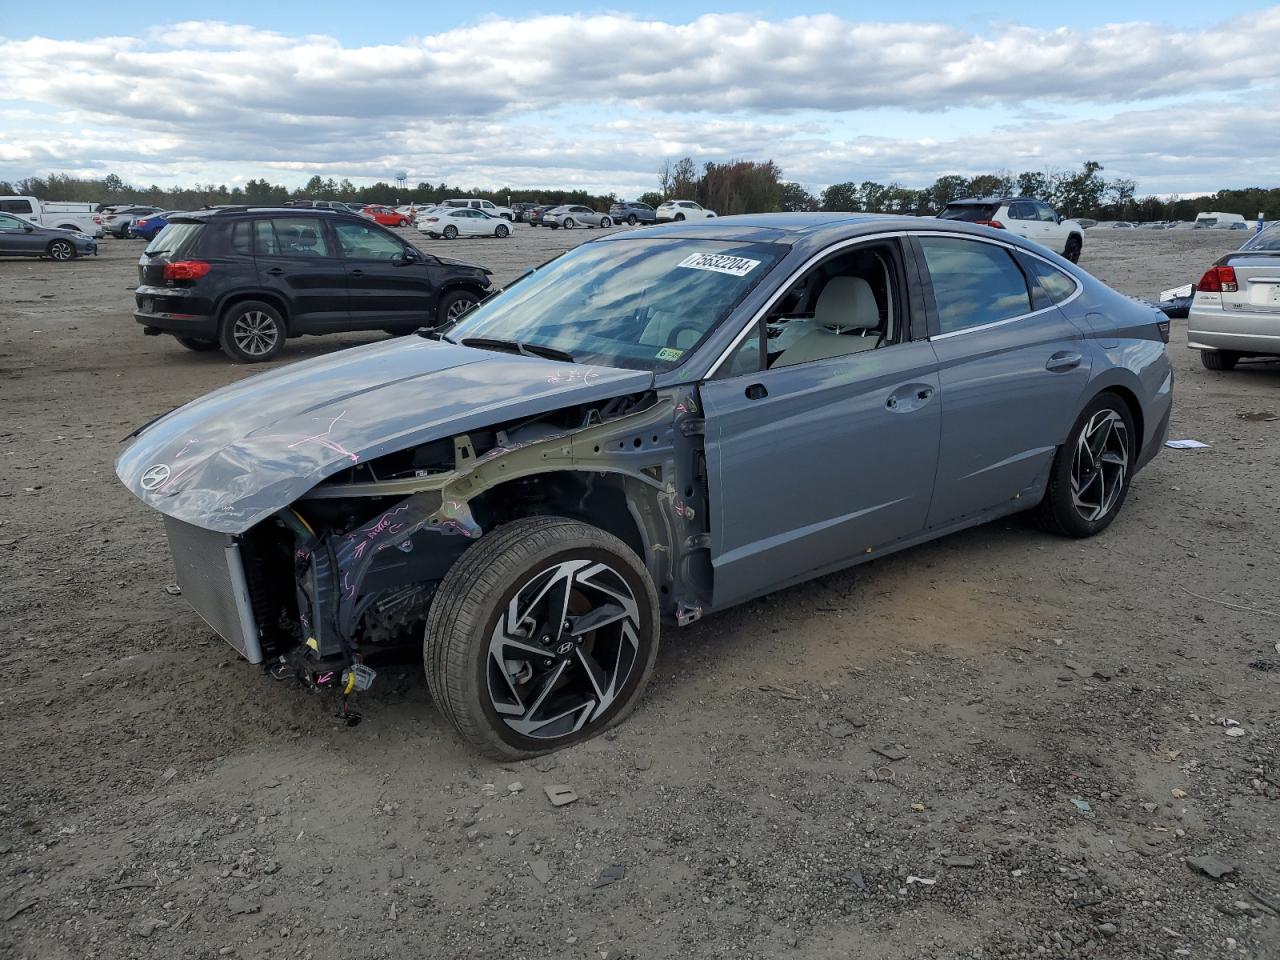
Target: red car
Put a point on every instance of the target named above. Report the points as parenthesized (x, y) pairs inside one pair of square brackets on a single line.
[(386, 216)]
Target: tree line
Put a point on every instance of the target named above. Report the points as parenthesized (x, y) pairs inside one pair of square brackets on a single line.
[(737, 186)]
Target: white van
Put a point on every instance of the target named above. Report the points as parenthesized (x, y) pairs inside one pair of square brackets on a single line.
[(1219, 221)]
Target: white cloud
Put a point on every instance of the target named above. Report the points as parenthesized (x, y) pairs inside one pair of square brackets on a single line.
[(503, 101)]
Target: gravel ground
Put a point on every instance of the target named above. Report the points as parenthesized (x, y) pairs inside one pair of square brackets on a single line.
[(1050, 715)]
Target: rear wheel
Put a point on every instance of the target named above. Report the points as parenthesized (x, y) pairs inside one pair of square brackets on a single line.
[(543, 634), (252, 332), (1219, 359), (1091, 471), (568, 223), (1072, 249), (61, 250), (199, 346), (451, 232), (606, 222), (403, 222), (631, 220)]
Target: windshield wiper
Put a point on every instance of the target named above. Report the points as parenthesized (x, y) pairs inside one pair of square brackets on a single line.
[(431, 333), (517, 346)]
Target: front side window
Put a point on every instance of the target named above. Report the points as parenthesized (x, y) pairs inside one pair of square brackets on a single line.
[(974, 283), (1267, 240), (1045, 213), (290, 237), (11, 223), (361, 241), (637, 304)]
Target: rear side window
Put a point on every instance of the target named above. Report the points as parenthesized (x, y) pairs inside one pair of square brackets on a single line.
[(1021, 211), (974, 283), (1056, 284), (290, 237), (15, 206)]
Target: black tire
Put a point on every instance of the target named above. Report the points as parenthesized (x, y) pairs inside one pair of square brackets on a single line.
[(252, 332), (61, 250), (502, 231), (199, 346), (1058, 511), (450, 232), (456, 302), (631, 220), (403, 222), (568, 223), (471, 602), (679, 216), (1219, 359), (1073, 248), (605, 222)]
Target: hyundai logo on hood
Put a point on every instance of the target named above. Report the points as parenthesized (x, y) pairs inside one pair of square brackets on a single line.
[(153, 476)]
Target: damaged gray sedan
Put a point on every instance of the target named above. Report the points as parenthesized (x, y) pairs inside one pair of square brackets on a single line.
[(654, 426)]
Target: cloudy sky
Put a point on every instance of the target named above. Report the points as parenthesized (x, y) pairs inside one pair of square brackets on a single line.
[(1178, 95)]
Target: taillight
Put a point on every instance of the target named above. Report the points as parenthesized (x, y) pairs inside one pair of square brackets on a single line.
[(186, 269), (97, 219), (990, 223), (139, 223), (1218, 280)]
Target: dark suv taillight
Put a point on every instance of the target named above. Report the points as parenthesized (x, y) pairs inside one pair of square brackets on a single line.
[(996, 224), (187, 269)]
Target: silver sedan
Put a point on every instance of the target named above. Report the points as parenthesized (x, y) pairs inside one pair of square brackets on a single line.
[(573, 215), (1236, 310)]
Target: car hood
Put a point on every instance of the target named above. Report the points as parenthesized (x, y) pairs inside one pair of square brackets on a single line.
[(235, 456)]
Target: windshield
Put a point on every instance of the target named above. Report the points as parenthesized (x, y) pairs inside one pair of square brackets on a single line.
[(1268, 240), (174, 238), (638, 304)]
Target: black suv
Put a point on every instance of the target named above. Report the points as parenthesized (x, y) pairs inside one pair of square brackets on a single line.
[(246, 278)]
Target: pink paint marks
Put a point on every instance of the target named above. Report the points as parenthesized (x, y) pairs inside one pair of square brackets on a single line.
[(325, 440)]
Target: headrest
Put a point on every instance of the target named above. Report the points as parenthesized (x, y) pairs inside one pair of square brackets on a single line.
[(847, 303)]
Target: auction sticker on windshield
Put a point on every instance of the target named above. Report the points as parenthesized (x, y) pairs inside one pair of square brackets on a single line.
[(720, 263)]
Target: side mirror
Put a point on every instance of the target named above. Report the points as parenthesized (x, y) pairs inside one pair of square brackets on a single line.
[(408, 257), (27, 228)]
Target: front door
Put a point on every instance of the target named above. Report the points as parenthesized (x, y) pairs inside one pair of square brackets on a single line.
[(296, 259), (385, 289), (1012, 374), (821, 435), (17, 236)]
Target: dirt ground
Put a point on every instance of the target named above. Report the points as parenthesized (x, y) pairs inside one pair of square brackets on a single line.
[(1053, 713)]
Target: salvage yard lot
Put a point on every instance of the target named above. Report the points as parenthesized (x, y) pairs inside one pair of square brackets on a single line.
[(1036, 702)]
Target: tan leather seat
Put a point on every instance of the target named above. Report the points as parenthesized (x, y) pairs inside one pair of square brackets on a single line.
[(845, 304)]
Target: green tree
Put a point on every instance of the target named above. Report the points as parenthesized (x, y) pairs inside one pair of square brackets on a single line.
[(796, 199), (840, 196)]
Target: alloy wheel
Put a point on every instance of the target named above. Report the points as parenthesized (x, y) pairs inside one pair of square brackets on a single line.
[(1100, 465), (563, 650), (458, 308), (61, 250), (255, 333)]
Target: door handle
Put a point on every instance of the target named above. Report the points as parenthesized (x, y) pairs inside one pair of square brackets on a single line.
[(756, 391), (1063, 360), (276, 272), (357, 273)]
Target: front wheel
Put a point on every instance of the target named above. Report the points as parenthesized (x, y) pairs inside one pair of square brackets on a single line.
[(252, 332), (679, 217), (502, 231), (543, 634), (1091, 471), (454, 305), (1072, 249), (1219, 359), (61, 250)]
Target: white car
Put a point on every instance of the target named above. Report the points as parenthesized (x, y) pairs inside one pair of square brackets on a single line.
[(676, 210), (483, 205), (454, 222), (1033, 219)]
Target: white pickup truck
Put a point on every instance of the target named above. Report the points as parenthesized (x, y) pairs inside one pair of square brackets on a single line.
[(80, 217)]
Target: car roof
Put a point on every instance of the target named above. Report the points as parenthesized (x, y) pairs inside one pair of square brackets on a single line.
[(976, 201), (808, 230), (218, 213)]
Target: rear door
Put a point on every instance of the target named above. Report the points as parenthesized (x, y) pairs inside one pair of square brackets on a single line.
[(297, 260), (1022, 220), (385, 289), (1012, 375)]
